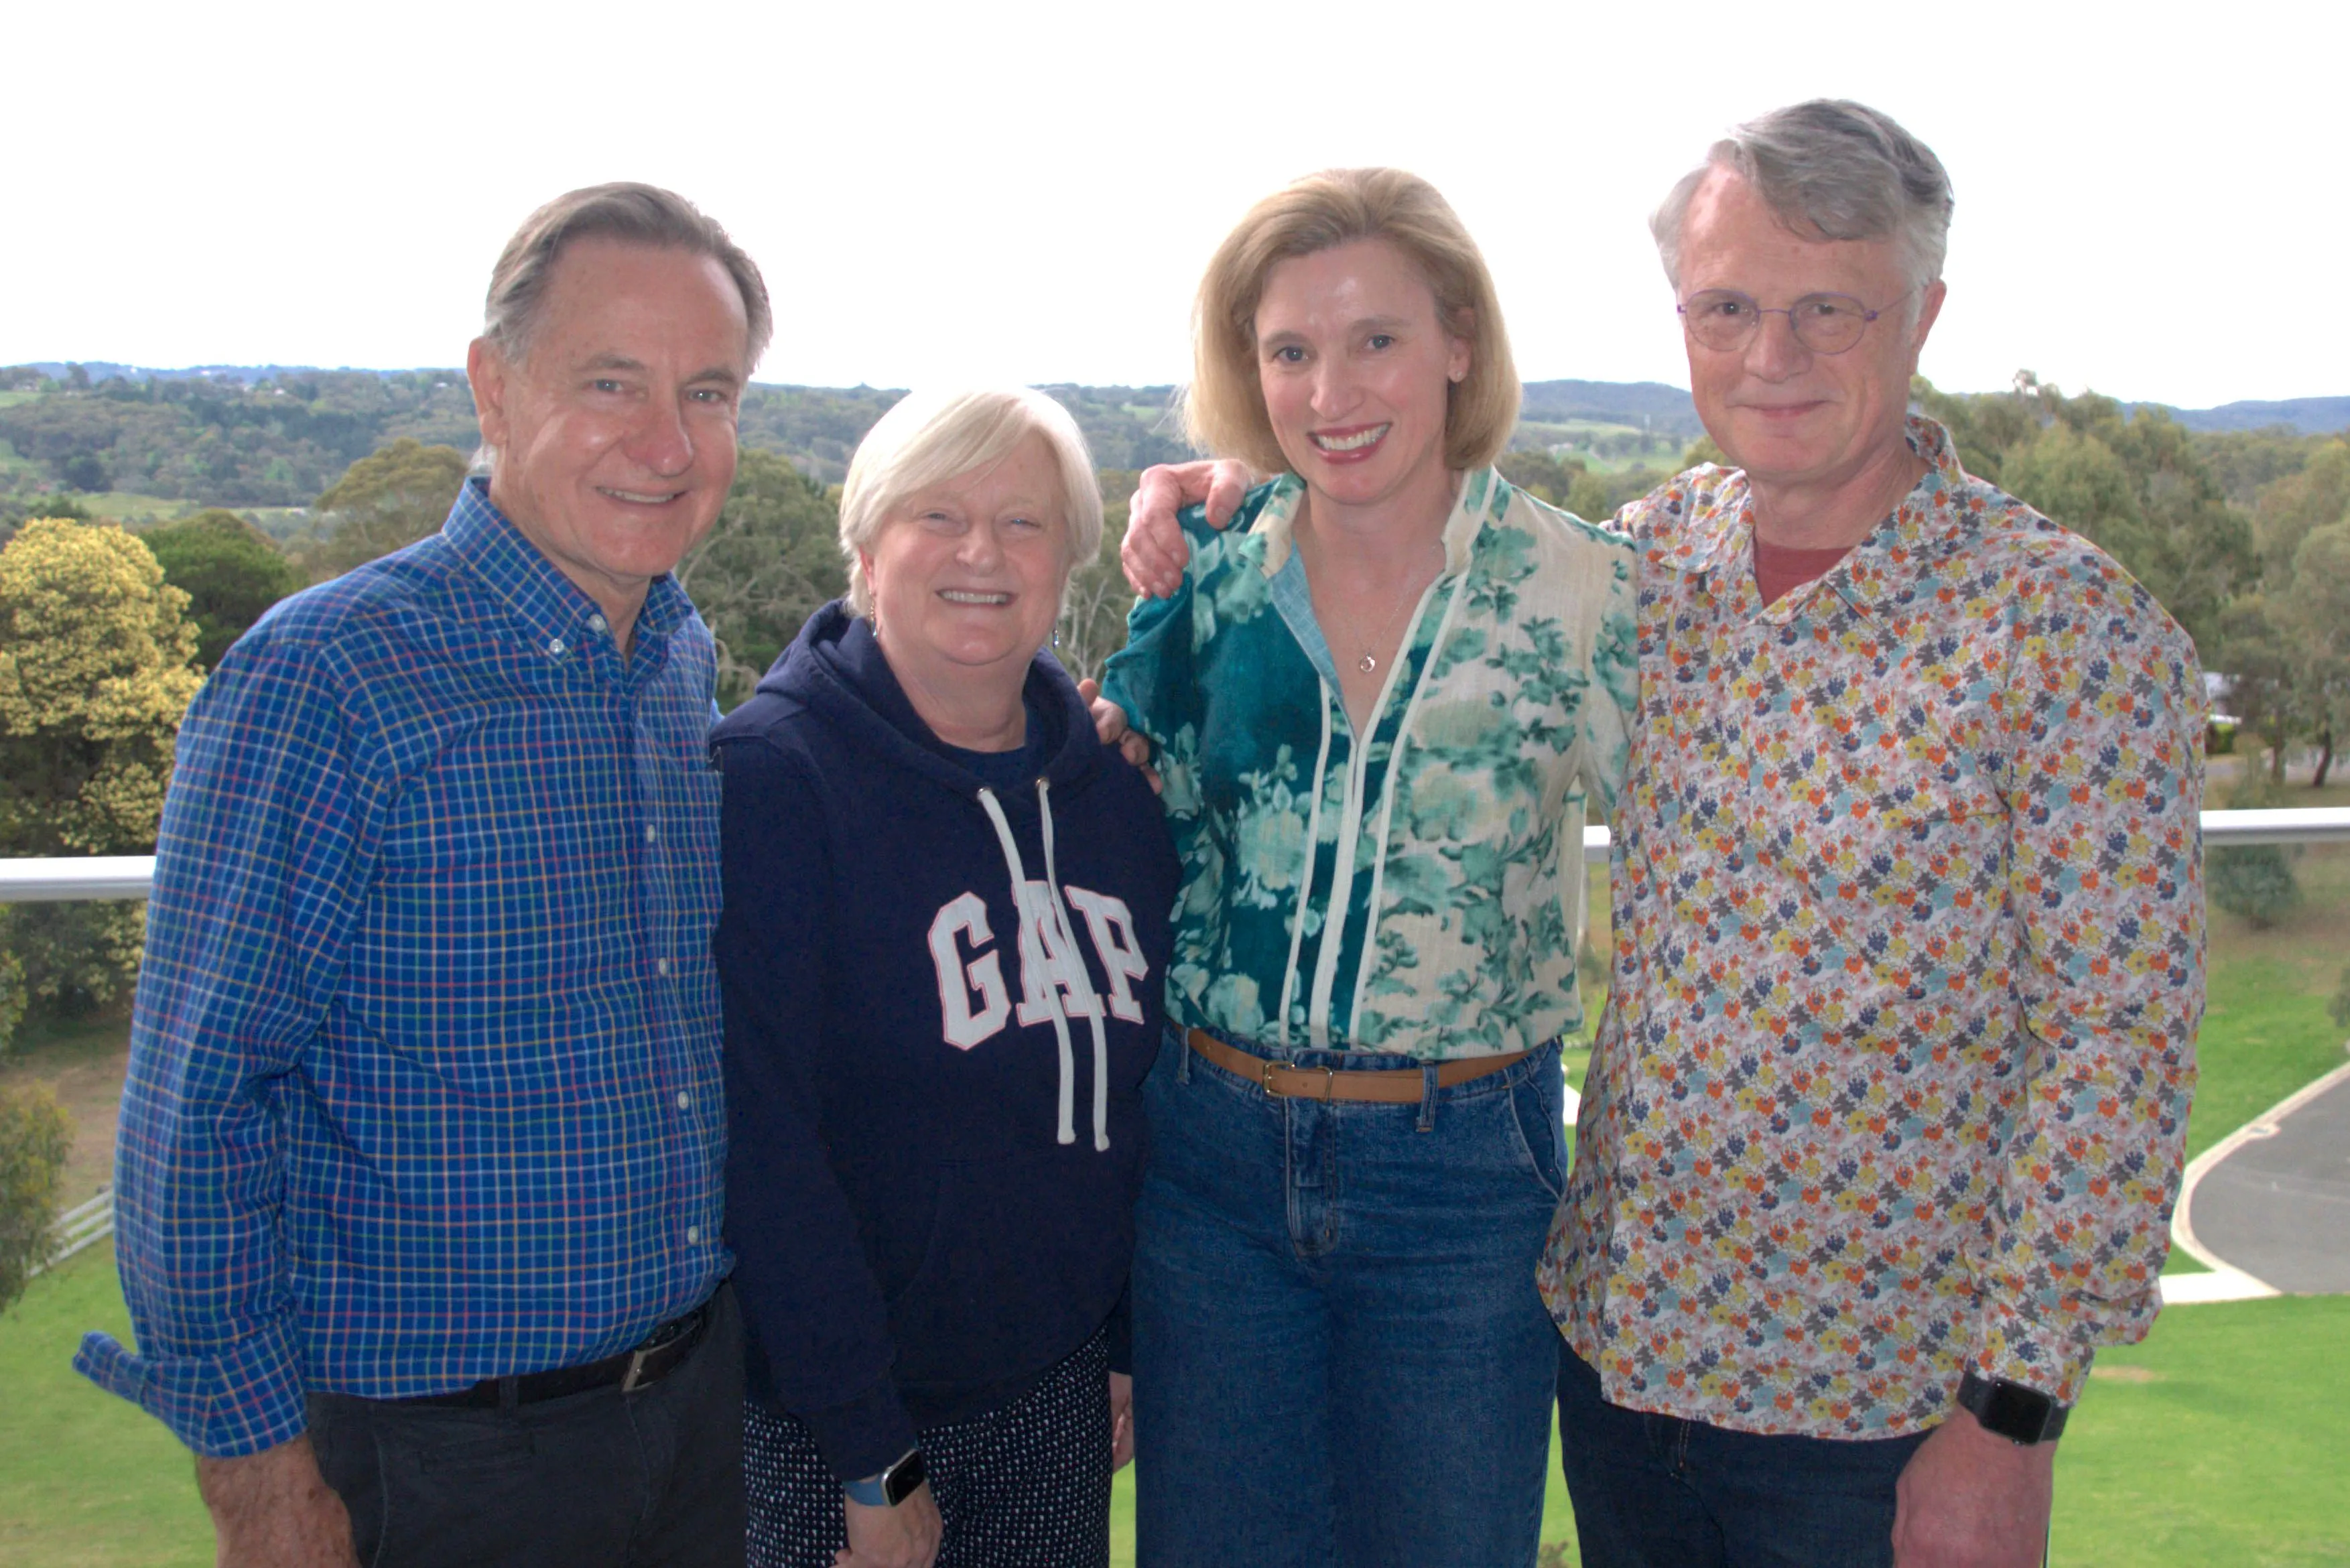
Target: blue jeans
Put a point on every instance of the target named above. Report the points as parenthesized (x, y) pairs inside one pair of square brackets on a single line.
[(1339, 1355), (1657, 1491)]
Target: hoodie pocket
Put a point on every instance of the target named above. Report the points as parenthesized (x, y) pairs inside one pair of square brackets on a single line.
[(1025, 1257)]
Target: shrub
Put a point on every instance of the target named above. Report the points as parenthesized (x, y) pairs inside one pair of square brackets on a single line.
[(35, 1134), (2255, 881)]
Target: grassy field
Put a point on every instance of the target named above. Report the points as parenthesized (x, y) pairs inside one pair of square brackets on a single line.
[(85, 1479), (2218, 1440)]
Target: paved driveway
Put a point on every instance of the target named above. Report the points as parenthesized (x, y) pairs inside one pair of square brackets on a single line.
[(2278, 1206)]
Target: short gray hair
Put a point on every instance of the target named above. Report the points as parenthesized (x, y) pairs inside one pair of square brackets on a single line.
[(1831, 169), (625, 211), (930, 438)]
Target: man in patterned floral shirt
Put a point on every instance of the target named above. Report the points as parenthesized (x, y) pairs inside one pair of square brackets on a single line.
[(1884, 1121)]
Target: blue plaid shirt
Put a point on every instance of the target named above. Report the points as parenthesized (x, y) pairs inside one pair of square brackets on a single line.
[(424, 1079)]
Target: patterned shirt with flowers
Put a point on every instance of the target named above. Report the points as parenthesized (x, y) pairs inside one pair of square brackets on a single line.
[(1419, 889), (1908, 966)]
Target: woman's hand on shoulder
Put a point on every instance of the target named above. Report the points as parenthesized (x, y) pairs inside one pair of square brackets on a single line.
[(1154, 550)]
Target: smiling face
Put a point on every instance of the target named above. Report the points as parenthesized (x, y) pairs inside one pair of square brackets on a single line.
[(615, 432), (1356, 372), (967, 575), (1786, 414)]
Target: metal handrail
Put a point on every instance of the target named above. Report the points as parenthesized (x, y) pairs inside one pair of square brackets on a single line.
[(65, 881)]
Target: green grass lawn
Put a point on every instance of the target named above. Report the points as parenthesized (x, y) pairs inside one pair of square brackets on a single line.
[(2220, 1440), (85, 1478)]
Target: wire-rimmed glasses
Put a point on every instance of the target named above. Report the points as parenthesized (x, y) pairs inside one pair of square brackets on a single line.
[(1725, 319)]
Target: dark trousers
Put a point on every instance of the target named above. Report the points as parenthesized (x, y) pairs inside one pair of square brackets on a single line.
[(1657, 1491), (652, 1477)]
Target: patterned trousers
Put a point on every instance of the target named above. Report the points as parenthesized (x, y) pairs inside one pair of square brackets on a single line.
[(1026, 1486)]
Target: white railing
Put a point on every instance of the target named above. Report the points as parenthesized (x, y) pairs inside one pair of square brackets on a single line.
[(57, 881), (83, 1225)]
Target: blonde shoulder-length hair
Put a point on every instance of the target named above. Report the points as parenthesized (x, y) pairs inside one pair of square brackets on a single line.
[(930, 437), (1223, 410)]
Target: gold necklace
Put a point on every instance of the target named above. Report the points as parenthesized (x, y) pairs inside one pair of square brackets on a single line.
[(1369, 663)]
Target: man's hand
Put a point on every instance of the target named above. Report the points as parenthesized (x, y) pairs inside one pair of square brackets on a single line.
[(906, 1536), (1109, 728), (1154, 551), (1970, 1499), (1121, 1420), (274, 1510)]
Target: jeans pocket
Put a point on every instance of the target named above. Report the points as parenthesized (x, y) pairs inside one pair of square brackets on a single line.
[(1542, 1131)]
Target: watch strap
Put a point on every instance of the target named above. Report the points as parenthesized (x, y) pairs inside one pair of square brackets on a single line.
[(892, 1486), (2023, 1415)]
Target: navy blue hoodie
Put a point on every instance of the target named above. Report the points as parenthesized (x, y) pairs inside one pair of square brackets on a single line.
[(935, 1131)]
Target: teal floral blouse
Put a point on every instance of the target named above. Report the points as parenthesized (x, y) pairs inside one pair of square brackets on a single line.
[(1418, 891)]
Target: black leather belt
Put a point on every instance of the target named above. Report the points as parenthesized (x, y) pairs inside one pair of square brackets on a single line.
[(664, 1350)]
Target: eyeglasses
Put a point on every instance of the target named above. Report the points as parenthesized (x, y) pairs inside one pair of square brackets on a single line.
[(1823, 323)]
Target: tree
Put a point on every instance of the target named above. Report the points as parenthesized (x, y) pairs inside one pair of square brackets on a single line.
[(769, 561), (1093, 611), (230, 570), (392, 497), (34, 1134), (2315, 615), (96, 669), (2255, 649), (2290, 508)]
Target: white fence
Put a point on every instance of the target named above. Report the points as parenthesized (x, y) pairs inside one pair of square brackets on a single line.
[(57, 881), (83, 1225)]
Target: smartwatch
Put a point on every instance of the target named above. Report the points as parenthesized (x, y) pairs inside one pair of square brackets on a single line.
[(893, 1486), (2021, 1415)]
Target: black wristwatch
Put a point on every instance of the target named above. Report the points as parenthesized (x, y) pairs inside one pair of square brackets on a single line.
[(892, 1486), (2021, 1415)]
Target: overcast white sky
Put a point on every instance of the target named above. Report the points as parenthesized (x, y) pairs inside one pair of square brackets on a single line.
[(2149, 198)]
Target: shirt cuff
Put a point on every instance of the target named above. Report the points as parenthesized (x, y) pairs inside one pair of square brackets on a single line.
[(864, 1437), (236, 1401), (2009, 1345)]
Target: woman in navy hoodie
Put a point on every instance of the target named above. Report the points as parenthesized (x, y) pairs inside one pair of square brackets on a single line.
[(943, 954)]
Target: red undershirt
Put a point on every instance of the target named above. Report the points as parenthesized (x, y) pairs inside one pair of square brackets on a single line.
[(1779, 570)]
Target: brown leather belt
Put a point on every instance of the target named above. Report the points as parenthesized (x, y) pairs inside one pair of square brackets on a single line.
[(1393, 1087)]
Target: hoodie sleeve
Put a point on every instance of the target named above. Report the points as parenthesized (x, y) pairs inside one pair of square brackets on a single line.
[(807, 1293)]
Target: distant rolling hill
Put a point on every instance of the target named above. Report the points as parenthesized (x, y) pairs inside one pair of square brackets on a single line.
[(2304, 415)]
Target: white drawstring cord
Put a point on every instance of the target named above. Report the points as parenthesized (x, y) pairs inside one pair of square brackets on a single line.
[(1082, 980), (1035, 962)]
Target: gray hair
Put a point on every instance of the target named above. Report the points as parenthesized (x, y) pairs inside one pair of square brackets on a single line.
[(1833, 169), (930, 438), (638, 214)]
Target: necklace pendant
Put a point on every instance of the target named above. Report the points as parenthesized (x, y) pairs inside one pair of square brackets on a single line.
[(1367, 664)]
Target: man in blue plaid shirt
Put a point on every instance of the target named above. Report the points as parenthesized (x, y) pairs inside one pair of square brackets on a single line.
[(419, 1178)]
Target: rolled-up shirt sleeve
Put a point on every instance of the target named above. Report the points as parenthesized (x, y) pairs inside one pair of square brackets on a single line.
[(260, 863), (2105, 876)]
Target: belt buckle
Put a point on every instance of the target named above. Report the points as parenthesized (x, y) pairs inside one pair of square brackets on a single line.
[(1329, 1080), (628, 1379)]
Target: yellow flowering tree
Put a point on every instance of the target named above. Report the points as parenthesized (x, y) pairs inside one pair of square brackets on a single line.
[(97, 666)]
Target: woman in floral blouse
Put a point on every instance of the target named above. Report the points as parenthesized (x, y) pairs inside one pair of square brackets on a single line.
[(1377, 704)]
